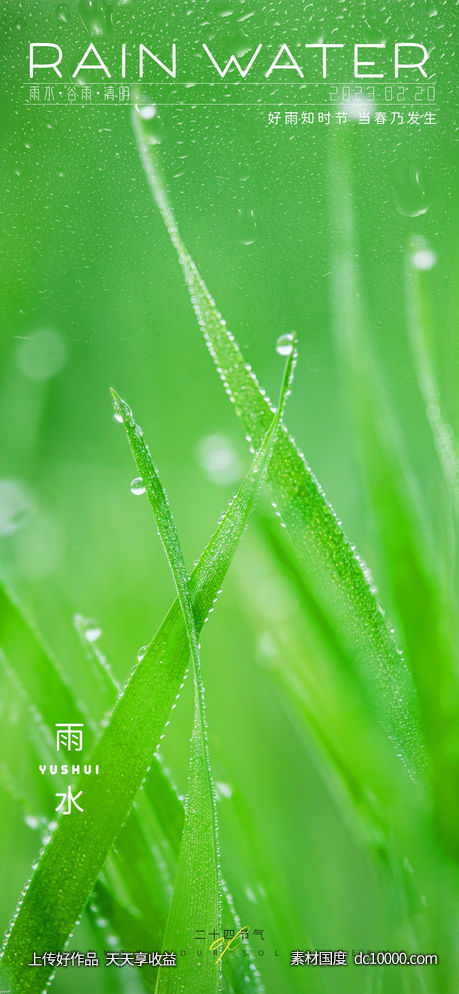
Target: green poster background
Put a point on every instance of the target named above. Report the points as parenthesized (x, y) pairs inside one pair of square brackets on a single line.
[(333, 836)]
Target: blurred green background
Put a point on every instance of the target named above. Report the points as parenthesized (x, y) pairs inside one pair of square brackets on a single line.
[(92, 296)]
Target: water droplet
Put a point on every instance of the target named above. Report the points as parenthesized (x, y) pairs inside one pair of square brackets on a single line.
[(117, 412), (222, 790), (410, 196), (284, 344), (92, 630), (141, 652), (153, 129), (63, 13), (96, 16), (31, 821), (236, 42), (137, 486), (245, 226)]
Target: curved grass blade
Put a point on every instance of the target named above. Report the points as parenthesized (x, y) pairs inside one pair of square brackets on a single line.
[(135, 931), (340, 580), (157, 787), (421, 331), (198, 884), (132, 840), (35, 667), (105, 687), (410, 558), (69, 865)]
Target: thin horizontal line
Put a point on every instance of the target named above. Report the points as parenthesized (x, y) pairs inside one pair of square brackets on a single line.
[(114, 103), (226, 82)]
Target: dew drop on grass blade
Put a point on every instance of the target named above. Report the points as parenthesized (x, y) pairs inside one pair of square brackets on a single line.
[(134, 857), (197, 885), (68, 867), (197, 891), (131, 839), (340, 580), (408, 545)]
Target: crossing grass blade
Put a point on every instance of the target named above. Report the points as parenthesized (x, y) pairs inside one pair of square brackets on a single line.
[(198, 884), (157, 787), (151, 900), (71, 861), (132, 853), (340, 580)]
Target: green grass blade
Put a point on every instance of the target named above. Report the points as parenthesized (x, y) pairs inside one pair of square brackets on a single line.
[(69, 866), (422, 338), (340, 579), (142, 928), (410, 558), (197, 884), (40, 743), (35, 667), (157, 787), (132, 932), (105, 688), (163, 802)]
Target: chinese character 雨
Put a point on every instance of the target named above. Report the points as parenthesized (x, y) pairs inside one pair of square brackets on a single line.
[(70, 737)]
